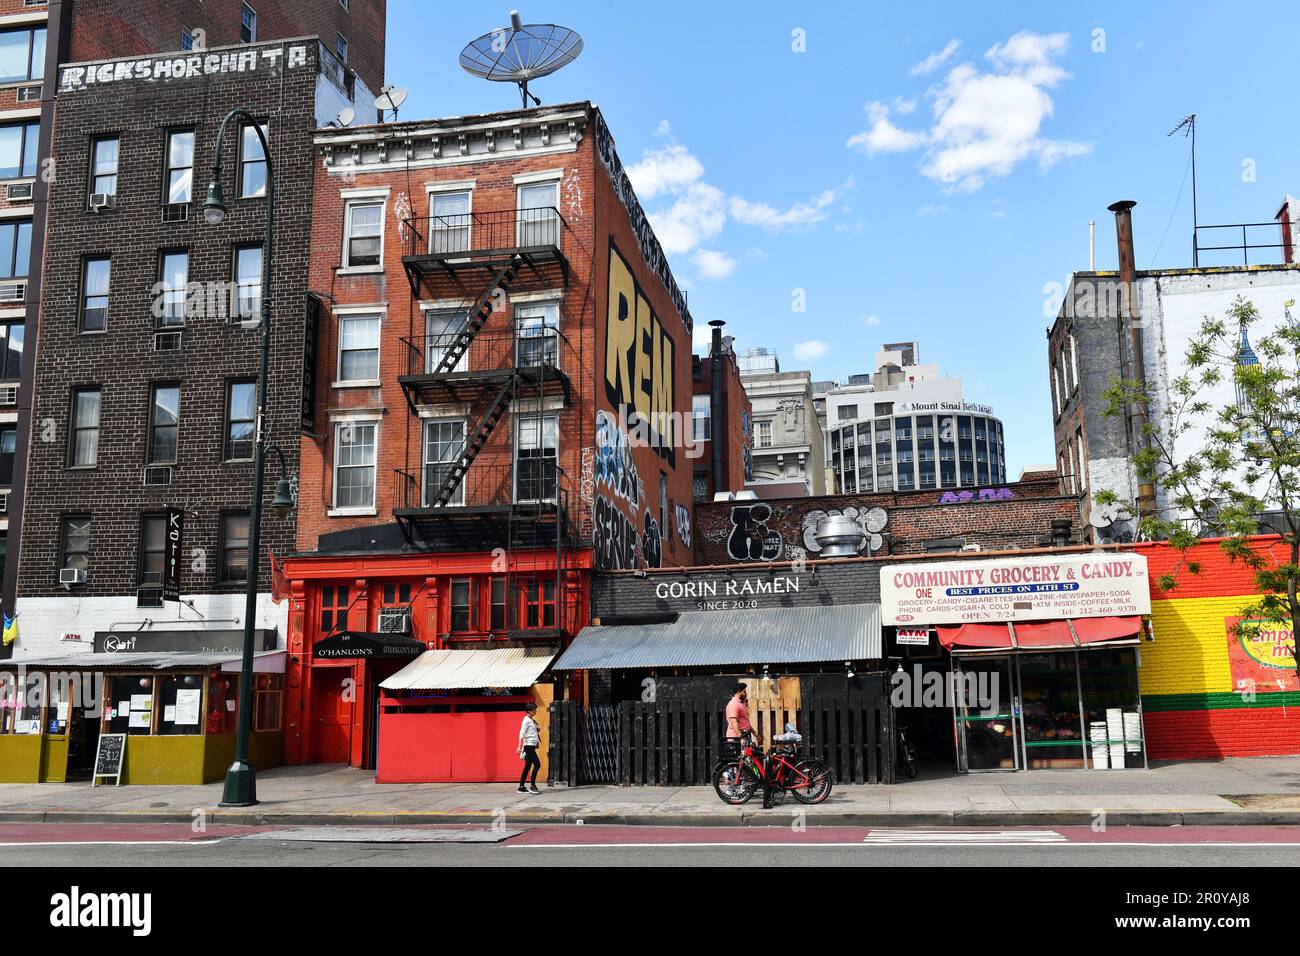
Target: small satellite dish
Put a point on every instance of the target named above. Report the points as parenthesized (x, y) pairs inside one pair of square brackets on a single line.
[(521, 52), (346, 116), (390, 99)]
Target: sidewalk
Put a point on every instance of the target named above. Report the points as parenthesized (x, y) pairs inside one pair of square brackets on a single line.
[(1170, 794)]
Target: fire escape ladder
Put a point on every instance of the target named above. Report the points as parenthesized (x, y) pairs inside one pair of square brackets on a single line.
[(478, 315), (475, 439)]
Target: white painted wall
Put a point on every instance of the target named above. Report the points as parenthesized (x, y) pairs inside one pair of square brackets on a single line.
[(44, 621)]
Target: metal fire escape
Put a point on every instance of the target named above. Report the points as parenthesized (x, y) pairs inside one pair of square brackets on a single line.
[(486, 362)]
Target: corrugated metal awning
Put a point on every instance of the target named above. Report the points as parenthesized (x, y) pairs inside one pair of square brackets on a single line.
[(771, 635), (472, 670)]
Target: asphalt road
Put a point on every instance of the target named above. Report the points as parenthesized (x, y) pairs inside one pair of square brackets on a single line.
[(93, 845)]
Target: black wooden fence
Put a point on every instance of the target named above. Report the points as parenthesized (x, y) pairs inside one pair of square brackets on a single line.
[(677, 742)]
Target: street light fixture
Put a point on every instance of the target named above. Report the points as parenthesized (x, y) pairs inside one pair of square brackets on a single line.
[(241, 784)]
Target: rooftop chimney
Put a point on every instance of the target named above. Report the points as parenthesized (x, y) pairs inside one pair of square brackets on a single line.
[(1288, 217), (717, 397)]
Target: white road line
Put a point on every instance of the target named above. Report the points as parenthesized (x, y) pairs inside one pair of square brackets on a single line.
[(964, 837), (118, 842)]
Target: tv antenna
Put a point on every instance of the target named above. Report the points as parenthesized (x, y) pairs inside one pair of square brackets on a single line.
[(521, 52), (1188, 128), (389, 100)]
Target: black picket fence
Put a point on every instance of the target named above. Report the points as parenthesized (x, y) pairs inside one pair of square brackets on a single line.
[(678, 742)]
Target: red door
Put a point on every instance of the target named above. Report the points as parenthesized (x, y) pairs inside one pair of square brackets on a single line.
[(333, 715)]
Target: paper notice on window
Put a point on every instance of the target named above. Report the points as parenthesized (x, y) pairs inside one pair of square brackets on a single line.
[(169, 714), (123, 707), (140, 718), (187, 707), (141, 702), (230, 706), (61, 712)]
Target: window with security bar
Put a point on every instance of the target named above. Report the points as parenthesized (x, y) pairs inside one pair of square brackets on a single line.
[(539, 218), (449, 222), (538, 339)]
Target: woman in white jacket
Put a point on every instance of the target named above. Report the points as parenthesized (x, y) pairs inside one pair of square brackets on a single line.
[(529, 741)]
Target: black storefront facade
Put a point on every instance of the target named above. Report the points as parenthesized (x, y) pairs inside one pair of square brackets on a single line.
[(666, 647)]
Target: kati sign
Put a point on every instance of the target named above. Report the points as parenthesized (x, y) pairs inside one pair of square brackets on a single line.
[(1015, 589)]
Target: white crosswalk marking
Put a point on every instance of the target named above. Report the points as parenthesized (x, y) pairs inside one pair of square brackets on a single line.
[(951, 837)]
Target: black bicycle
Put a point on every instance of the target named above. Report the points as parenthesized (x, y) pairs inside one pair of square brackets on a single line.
[(906, 758)]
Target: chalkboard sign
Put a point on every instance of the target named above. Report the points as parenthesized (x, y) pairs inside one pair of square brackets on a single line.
[(109, 757)]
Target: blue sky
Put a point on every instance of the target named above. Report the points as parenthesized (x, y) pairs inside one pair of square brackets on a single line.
[(920, 171)]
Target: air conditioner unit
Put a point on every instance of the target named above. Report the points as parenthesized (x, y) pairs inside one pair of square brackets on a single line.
[(17, 191), (71, 576), (101, 201), (149, 597), (176, 212), (8, 395), (157, 476), (167, 341), (13, 291), (395, 620)]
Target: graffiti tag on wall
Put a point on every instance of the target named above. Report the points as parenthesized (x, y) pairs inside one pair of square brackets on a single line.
[(984, 494), (750, 538), (871, 521), (682, 515)]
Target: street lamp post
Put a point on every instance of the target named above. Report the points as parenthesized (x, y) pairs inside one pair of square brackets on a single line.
[(241, 784)]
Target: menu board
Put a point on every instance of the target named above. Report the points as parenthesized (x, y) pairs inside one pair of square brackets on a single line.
[(110, 754)]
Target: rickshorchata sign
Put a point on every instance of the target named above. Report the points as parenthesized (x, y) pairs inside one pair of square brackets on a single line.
[(1051, 587)]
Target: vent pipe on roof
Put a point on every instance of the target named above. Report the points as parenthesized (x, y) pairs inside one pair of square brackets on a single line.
[(717, 413)]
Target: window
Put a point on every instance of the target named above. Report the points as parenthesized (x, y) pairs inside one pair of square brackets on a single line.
[(95, 276), (535, 456), (539, 603), (252, 163), (700, 487), (8, 448), (233, 547), (19, 145), (333, 608), (173, 278), (11, 351), (22, 54), (497, 604), (762, 434), (701, 417), (85, 427), (397, 595), (103, 166), (248, 283), (449, 222), (164, 424), (75, 542), (341, 46), (180, 166), (365, 235), (1074, 362), (444, 444), (538, 342), (248, 25), (539, 222), (358, 348), (663, 504), (153, 549), (884, 409), (441, 327), (847, 413), (268, 701), (354, 465), (241, 418), (15, 248), (187, 39), (464, 609)]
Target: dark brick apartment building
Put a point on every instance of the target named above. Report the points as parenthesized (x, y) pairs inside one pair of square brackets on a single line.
[(144, 396)]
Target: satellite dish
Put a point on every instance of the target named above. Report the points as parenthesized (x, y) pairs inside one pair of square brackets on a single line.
[(390, 99), (1103, 516), (346, 116), (521, 52)]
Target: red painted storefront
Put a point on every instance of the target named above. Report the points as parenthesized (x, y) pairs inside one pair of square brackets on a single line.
[(332, 706)]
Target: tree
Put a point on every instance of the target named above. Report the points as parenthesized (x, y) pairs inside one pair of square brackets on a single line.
[(1221, 467)]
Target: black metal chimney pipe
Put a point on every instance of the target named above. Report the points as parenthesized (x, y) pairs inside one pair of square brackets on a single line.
[(717, 399)]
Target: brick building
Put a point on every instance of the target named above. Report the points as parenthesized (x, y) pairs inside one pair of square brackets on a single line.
[(1036, 511), (145, 388), (721, 419), (504, 394), (91, 30)]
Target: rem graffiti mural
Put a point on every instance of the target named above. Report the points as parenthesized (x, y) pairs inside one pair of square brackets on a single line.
[(619, 494), (751, 539), (615, 470), (640, 358)]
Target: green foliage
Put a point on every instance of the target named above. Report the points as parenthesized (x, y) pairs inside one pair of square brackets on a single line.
[(1220, 467)]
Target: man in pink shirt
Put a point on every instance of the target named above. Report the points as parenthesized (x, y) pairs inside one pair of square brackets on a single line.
[(738, 714)]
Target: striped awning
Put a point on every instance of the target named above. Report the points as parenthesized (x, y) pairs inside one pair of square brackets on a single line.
[(472, 670), (769, 635)]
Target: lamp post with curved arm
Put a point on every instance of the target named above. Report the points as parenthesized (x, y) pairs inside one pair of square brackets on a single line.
[(241, 785)]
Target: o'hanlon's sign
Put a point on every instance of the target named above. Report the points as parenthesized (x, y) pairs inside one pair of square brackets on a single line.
[(264, 59), (1048, 587)]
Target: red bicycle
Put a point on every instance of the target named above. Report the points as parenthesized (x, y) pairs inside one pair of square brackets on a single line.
[(779, 771)]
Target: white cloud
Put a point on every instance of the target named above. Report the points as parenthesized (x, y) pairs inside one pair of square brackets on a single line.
[(713, 264), (871, 320), (985, 122), (811, 350), (697, 215), (664, 170), (935, 59), (767, 217)]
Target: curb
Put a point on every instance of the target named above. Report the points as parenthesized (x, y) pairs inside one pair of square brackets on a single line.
[(774, 818)]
